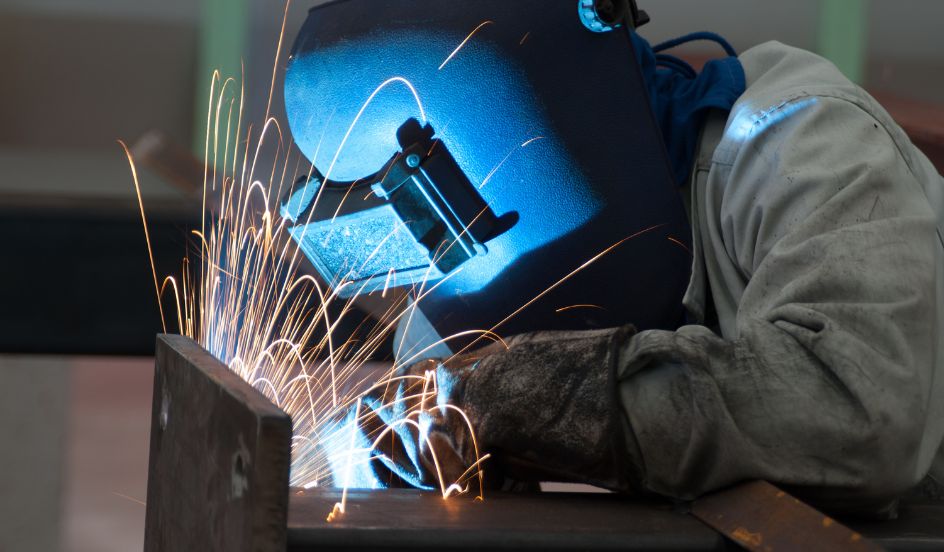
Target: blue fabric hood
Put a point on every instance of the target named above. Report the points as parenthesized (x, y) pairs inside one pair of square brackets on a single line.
[(680, 98)]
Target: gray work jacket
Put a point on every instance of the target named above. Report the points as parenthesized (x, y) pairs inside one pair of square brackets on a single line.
[(817, 360)]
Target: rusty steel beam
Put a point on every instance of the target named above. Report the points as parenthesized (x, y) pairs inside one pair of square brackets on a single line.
[(219, 459)]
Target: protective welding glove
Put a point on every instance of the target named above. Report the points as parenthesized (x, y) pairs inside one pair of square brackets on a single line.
[(545, 409)]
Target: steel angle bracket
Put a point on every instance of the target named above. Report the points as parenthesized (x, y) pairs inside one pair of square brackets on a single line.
[(219, 458)]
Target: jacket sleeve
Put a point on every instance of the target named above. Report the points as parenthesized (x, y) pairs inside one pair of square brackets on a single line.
[(824, 384)]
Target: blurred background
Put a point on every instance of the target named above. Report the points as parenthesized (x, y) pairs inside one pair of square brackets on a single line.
[(77, 308)]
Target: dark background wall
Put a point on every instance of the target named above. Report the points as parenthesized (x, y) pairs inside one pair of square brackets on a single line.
[(77, 76)]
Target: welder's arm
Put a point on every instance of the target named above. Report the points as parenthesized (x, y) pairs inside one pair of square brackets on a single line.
[(826, 382)]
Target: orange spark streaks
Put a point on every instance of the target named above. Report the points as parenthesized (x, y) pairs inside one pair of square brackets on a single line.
[(557, 284), (573, 307), (250, 306), (129, 498), (680, 244), (147, 235), (464, 42)]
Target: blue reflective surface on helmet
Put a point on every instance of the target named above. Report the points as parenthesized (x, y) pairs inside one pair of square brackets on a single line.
[(546, 120)]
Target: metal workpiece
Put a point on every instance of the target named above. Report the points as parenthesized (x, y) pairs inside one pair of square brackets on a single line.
[(404, 519), (219, 458), (219, 480), (759, 516)]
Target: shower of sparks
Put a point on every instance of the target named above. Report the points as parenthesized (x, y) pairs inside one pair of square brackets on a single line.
[(246, 300)]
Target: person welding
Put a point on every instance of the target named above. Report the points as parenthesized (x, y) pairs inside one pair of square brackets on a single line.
[(711, 276)]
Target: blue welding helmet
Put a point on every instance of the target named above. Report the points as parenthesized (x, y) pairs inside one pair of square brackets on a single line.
[(480, 152)]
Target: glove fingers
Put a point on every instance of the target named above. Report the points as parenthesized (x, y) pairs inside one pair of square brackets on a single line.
[(442, 462)]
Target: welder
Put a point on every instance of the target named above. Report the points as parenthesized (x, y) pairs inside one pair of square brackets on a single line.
[(777, 313)]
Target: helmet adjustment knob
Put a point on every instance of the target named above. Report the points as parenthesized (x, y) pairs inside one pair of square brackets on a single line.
[(601, 16)]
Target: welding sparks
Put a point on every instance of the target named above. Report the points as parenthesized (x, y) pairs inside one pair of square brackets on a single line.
[(248, 303), (501, 163), (129, 498), (464, 42), (574, 307), (679, 243), (147, 236), (340, 506)]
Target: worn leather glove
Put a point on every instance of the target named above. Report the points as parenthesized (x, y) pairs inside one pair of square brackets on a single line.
[(544, 409)]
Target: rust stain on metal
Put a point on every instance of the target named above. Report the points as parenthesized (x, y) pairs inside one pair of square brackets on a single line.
[(760, 517), (743, 535)]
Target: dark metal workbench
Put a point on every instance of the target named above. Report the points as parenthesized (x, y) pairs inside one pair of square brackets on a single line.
[(402, 519)]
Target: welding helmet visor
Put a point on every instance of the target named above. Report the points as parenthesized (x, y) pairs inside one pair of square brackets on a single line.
[(480, 154)]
